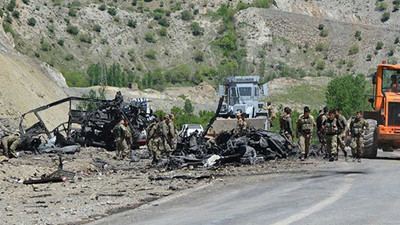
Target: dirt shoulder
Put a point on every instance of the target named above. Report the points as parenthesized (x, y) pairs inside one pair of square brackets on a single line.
[(103, 186)]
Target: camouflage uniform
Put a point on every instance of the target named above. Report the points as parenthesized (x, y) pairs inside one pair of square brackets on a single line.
[(342, 128), (321, 133), (165, 141), (271, 112), (172, 134), (285, 122), (330, 130), (304, 131), (241, 126), (10, 145), (357, 129), (123, 138), (152, 140)]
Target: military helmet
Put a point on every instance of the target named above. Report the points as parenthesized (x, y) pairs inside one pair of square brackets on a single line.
[(166, 117), (307, 109)]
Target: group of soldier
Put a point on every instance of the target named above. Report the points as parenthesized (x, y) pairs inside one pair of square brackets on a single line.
[(332, 129), (160, 136)]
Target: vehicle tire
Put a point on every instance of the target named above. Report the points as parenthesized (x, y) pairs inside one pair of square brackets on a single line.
[(370, 140)]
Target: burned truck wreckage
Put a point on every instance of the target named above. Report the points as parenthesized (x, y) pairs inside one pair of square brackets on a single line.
[(94, 128), (84, 127)]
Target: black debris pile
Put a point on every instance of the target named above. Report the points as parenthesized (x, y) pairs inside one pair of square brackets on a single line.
[(255, 146)]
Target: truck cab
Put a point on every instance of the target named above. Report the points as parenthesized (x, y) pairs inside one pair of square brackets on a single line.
[(242, 94)]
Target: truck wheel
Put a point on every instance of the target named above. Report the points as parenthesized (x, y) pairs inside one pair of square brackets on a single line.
[(370, 142)]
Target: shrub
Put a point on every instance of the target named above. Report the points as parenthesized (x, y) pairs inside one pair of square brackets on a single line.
[(86, 38), (385, 17), (1, 13), (132, 23), (102, 7), (151, 54), (379, 45), (186, 15), (112, 11), (321, 27), (163, 31), (97, 28), (323, 33), (391, 51), (74, 30), (11, 5), (354, 50), (369, 57), (320, 65), (358, 35), (381, 6), (69, 57), (72, 12), (32, 22), (197, 29), (51, 28), (149, 37), (26, 2), (45, 46), (15, 14), (396, 41), (61, 42), (320, 47), (199, 56), (164, 22)]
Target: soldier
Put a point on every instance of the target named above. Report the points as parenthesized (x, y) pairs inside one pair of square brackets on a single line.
[(123, 137), (165, 143), (323, 115), (152, 139), (305, 126), (358, 127), (241, 124), (172, 132), (285, 122), (271, 112), (331, 130), (342, 129), (10, 145)]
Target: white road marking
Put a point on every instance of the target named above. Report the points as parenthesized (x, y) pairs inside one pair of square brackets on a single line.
[(319, 206)]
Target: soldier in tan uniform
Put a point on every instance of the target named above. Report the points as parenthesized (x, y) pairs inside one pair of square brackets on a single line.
[(323, 115), (358, 128), (305, 126), (271, 112), (172, 132), (331, 132), (152, 141), (10, 145), (342, 129), (285, 122), (241, 124), (123, 137)]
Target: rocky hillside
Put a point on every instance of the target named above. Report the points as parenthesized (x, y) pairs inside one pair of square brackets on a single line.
[(26, 84), (178, 43)]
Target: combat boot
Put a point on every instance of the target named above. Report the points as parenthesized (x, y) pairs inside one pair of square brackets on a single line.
[(302, 157), (331, 158), (359, 159), (345, 155), (336, 156)]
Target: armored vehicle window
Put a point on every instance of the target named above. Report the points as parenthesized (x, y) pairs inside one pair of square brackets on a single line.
[(245, 91)]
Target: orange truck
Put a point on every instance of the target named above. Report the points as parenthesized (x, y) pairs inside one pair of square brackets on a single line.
[(384, 120)]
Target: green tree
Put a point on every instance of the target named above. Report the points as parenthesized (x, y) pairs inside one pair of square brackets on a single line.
[(385, 17), (197, 29), (186, 15), (188, 107), (347, 93), (354, 50)]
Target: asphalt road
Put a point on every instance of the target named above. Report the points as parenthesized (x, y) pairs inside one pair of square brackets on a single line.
[(340, 193)]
